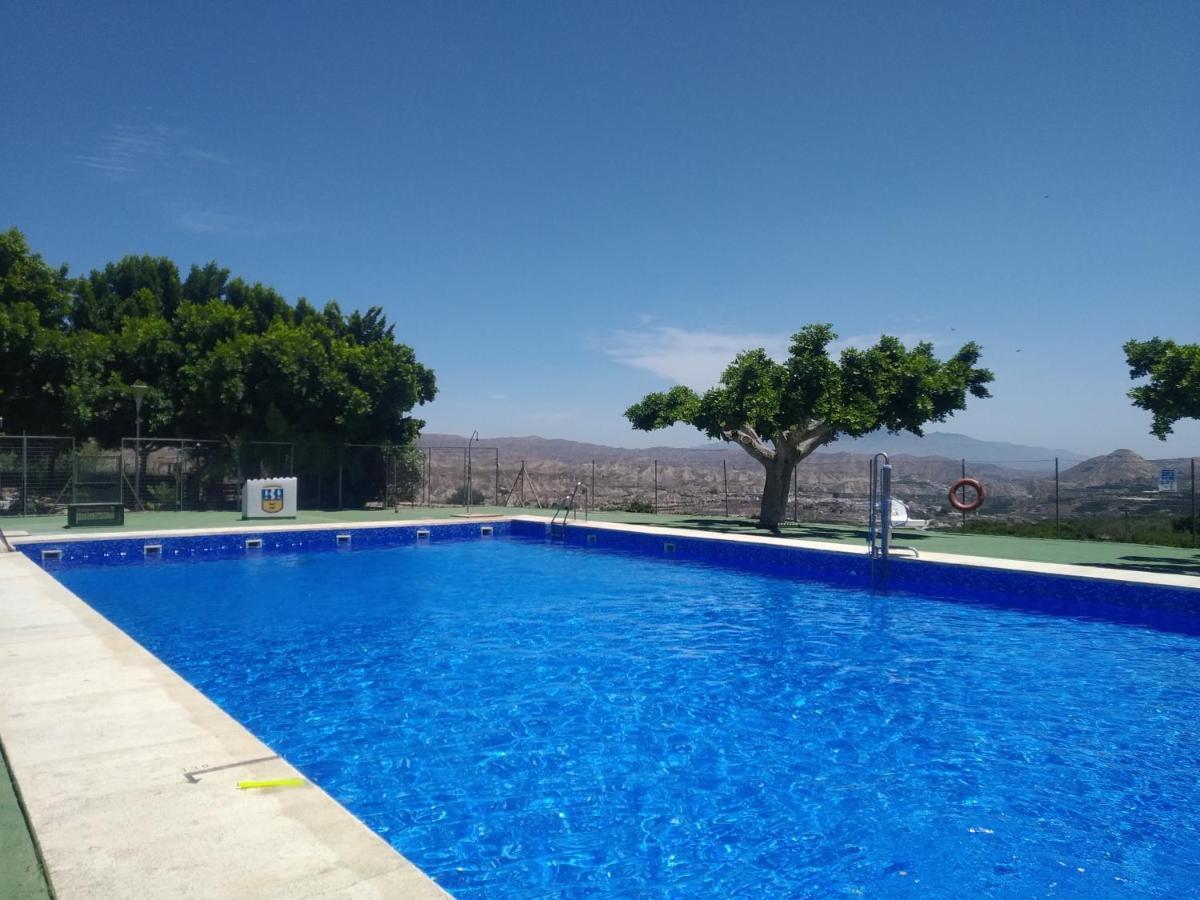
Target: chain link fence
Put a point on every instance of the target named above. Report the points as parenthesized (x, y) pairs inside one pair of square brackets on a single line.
[(456, 476), (1119, 497), (36, 474), (1116, 497)]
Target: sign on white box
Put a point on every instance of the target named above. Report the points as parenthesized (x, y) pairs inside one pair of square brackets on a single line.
[(269, 498)]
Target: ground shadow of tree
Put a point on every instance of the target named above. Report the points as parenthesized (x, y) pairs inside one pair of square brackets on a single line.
[(804, 531), (1166, 565)]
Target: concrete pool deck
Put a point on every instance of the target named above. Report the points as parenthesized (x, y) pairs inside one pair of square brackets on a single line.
[(128, 773)]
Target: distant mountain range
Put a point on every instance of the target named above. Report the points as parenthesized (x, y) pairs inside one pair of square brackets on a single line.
[(945, 445), (957, 446), (831, 484)]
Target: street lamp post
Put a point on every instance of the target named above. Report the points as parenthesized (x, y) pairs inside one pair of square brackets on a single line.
[(139, 392), (474, 439)]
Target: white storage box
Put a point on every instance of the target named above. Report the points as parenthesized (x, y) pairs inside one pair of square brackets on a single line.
[(269, 498)]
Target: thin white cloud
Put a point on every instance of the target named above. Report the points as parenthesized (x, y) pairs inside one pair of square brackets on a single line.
[(694, 358), (205, 221), (126, 150), (697, 358), (201, 219), (550, 416)]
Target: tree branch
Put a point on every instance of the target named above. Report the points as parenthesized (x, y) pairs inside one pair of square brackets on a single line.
[(747, 438), (819, 435), (807, 437)]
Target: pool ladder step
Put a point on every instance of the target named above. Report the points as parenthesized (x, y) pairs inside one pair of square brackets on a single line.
[(568, 507)]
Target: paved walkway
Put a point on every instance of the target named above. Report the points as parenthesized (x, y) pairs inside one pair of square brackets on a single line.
[(1119, 556)]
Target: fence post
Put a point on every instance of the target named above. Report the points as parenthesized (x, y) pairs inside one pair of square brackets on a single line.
[(1193, 503), (592, 497), (656, 487), (496, 492), (1056, 505), (24, 473), (74, 472), (725, 478), (341, 454)]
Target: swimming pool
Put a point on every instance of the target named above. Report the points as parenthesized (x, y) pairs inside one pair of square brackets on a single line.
[(521, 719)]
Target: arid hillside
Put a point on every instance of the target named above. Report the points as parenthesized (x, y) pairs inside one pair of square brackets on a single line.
[(829, 486)]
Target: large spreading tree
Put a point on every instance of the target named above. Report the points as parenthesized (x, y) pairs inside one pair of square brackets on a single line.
[(1173, 391), (780, 412), (222, 357)]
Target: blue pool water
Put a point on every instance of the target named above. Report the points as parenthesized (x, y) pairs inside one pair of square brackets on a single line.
[(528, 720)]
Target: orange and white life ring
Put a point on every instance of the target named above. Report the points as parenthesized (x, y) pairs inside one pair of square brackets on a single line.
[(962, 505)]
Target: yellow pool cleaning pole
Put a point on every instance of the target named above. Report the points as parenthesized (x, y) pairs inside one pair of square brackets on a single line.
[(274, 782)]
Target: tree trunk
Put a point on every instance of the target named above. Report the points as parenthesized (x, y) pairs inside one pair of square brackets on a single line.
[(790, 448), (775, 490)]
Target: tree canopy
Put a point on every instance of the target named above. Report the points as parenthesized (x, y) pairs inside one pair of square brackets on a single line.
[(780, 412), (221, 356), (1173, 392)]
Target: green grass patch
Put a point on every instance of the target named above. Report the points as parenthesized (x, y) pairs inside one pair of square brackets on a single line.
[(1162, 531)]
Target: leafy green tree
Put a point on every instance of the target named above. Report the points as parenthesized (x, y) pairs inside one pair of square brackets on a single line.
[(1173, 392), (35, 345), (779, 413), (205, 283), (222, 357)]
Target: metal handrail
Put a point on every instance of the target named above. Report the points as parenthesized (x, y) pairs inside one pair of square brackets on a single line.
[(8, 548), (567, 507), (879, 540)]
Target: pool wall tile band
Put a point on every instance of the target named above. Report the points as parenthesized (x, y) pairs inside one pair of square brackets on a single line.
[(953, 581), (223, 546)]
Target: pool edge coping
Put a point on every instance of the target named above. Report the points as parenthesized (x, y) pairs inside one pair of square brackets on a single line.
[(1073, 570)]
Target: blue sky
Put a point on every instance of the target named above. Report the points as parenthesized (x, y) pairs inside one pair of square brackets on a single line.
[(566, 205)]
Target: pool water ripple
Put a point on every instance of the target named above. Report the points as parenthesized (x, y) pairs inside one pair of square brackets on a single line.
[(530, 720)]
